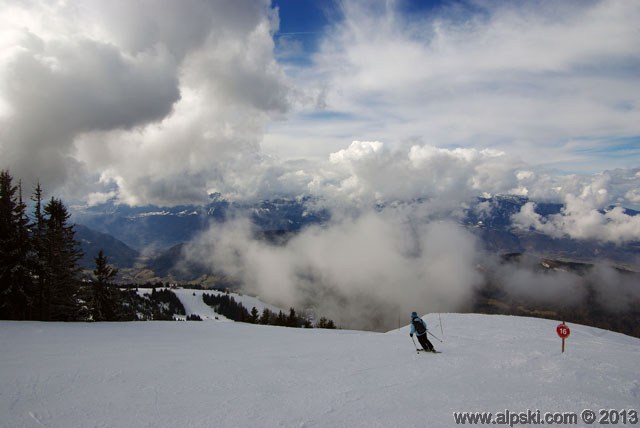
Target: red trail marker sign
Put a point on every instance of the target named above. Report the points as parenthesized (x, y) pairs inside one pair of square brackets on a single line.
[(563, 331)]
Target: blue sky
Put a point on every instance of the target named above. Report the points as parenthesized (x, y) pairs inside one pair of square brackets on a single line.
[(302, 23), (308, 21), (298, 16)]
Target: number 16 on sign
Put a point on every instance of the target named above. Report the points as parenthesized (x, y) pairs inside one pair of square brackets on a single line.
[(564, 332)]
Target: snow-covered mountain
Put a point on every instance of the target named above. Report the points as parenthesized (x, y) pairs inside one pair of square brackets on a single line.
[(489, 218), (226, 374), (164, 227), (537, 257)]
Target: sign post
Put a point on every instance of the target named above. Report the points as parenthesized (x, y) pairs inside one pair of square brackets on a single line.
[(563, 331)]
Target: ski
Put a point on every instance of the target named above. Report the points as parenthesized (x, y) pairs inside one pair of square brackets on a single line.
[(432, 352)]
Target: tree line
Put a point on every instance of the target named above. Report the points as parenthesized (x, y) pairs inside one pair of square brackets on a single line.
[(228, 306), (40, 278)]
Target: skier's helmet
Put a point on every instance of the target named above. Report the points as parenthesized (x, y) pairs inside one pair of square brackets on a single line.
[(414, 315)]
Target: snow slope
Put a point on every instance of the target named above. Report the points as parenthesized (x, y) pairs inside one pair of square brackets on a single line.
[(193, 304), (209, 374)]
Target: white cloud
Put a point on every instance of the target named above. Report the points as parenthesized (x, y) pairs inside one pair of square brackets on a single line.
[(547, 82), (615, 290), (445, 179), (159, 98), (104, 99), (587, 211), (374, 266)]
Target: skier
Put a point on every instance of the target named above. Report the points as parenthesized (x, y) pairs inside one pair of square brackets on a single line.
[(419, 328)]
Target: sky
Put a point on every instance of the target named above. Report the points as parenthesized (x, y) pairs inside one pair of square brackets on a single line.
[(360, 104), (155, 102), (553, 84)]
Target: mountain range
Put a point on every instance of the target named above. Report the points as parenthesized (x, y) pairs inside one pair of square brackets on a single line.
[(152, 237), (146, 245)]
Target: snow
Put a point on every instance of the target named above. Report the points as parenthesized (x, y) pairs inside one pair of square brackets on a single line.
[(226, 374), (193, 304), (246, 300)]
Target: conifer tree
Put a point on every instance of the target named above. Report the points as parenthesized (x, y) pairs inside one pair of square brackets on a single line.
[(326, 323), (254, 316), (7, 240), (27, 259), (61, 270), (14, 251), (38, 243), (292, 319), (267, 317), (103, 299)]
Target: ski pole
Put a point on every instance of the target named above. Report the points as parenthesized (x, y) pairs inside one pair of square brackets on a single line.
[(435, 337), (414, 343)]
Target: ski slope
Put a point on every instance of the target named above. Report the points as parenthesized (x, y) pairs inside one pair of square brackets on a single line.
[(226, 374), (193, 304)]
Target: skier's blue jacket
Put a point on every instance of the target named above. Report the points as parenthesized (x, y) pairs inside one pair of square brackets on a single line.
[(413, 327)]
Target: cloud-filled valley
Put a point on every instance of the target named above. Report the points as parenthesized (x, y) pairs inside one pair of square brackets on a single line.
[(364, 268)]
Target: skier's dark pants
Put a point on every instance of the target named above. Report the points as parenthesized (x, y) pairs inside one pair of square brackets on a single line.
[(424, 341)]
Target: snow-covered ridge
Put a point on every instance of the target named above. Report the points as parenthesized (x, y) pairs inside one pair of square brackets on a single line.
[(194, 305), (209, 374)]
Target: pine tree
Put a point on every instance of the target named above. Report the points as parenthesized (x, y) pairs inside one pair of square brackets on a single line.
[(326, 323), (38, 242), (61, 270), (7, 241), (292, 319), (267, 316), (103, 300), (14, 251), (254, 316), (27, 260), (281, 319)]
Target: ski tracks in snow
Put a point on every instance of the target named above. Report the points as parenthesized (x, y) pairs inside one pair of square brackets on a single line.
[(209, 374)]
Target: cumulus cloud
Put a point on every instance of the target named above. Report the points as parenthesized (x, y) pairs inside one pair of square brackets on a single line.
[(123, 99), (370, 172), (373, 266), (446, 181), (588, 213), (154, 98)]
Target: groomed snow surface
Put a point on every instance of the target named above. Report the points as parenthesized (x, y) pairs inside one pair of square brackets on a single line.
[(194, 305), (226, 374)]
